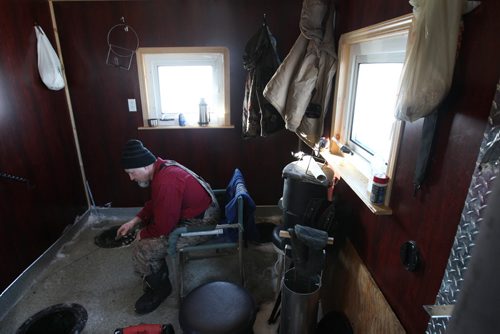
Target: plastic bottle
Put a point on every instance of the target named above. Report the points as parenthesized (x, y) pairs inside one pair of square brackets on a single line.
[(182, 120), (379, 188), (377, 166)]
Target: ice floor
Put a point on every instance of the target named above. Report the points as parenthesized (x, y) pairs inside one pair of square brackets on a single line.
[(103, 282)]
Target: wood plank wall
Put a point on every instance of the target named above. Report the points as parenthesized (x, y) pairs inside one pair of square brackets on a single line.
[(354, 291), (36, 143), (99, 92), (431, 217)]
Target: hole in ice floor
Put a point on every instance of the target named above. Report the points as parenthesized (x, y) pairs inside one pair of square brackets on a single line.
[(56, 319), (107, 238)]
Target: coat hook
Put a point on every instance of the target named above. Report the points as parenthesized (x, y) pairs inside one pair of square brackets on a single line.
[(123, 22)]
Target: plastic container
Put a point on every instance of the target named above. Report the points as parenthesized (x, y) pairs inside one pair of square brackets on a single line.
[(182, 120), (379, 188), (153, 122)]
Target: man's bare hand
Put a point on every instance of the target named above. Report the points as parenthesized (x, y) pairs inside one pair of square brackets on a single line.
[(125, 228)]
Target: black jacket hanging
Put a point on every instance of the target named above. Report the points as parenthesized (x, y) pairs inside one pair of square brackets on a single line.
[(261, 60)]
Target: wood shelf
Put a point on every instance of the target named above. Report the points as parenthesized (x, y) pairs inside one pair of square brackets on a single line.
[(356, 180)]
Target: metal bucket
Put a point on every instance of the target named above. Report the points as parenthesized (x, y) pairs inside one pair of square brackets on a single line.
[(299, 303)]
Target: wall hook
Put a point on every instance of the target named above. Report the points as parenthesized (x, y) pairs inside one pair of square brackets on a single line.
[(126, 25)]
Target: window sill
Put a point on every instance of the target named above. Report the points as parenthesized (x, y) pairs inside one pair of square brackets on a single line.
[(176, 127), (357, 181)]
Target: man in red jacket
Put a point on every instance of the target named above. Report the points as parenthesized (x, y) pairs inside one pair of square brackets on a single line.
[(178, 196)]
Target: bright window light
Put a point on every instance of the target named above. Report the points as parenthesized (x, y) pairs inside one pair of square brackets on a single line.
[(371, 130), (182, 87), (373, 117), (174, 81)]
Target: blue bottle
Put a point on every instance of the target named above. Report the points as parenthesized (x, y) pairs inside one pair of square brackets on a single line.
[(182, 120)]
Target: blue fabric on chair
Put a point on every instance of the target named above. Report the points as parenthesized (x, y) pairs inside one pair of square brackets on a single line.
[(235, 188)]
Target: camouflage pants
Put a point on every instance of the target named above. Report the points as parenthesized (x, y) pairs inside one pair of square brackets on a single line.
[(149, 254)]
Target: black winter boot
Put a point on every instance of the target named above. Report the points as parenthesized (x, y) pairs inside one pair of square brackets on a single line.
[(157, 289)]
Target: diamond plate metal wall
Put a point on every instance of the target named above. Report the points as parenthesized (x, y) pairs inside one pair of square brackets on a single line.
[(486, 171)]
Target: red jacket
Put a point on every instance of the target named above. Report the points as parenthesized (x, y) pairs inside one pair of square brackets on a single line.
[(175, 195)]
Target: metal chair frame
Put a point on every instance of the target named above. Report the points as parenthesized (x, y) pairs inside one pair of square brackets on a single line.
[(181, 255)]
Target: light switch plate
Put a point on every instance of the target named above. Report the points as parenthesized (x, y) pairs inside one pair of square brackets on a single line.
[(132, 106)]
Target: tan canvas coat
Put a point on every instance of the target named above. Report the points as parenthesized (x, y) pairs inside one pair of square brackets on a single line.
[(300, 89)]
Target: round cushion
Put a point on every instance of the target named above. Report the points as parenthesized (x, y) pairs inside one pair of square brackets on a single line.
[(217, 307)]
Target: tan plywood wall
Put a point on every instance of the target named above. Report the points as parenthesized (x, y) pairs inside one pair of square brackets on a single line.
[(352, 290)]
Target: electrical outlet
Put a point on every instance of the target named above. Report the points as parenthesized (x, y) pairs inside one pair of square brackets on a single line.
[(132, 106)]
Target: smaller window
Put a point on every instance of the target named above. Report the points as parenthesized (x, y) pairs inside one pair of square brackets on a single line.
[(175, 81), (368, 78)]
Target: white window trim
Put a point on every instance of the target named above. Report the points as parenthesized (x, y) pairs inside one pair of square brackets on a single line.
[(147, 100), (346, 166)]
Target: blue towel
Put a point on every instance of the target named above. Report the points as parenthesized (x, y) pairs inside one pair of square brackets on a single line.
[(235, 188)]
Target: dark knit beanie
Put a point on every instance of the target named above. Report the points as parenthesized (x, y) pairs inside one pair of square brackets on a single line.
[(135, 155)]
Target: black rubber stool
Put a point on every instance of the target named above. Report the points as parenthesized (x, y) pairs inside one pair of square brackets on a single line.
[(217, 307)]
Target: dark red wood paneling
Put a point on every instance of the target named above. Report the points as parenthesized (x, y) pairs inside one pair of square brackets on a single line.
[(36, 142), (431, 217), (99, 92)]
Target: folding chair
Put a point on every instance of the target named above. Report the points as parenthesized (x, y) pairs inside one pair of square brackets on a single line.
[(237, 211)]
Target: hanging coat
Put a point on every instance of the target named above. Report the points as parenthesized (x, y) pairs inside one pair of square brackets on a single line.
[(430, 59), (261, 60), (301, 88), (427, 73)]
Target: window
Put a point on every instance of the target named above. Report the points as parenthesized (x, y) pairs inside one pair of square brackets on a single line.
[(175, 81), (370, 64), (375, 71)]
